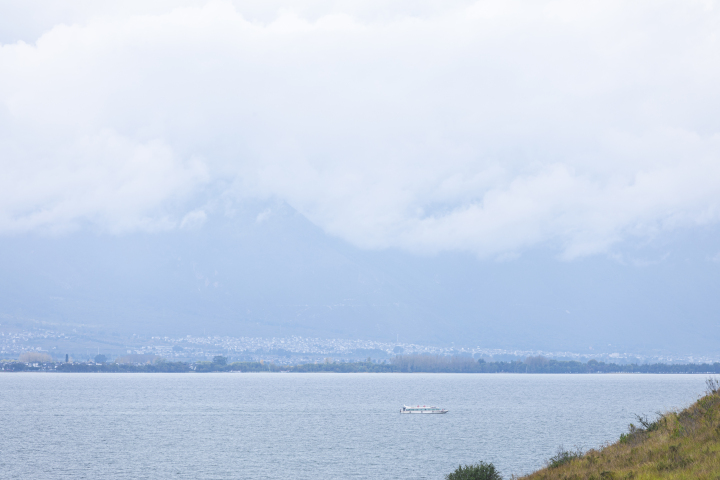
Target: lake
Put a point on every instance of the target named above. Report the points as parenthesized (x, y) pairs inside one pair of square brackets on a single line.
[(312, 426)]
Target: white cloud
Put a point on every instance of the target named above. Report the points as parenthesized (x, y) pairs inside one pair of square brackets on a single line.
[(101, 177), (489, 126), (264, 215), (194, 219)]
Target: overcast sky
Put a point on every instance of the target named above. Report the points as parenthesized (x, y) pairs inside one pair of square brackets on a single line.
[(490, 127)]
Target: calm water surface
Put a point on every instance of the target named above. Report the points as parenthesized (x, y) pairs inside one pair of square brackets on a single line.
[(311, 426)]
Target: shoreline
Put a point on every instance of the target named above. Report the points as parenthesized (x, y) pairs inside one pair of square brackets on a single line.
[(400, 364)]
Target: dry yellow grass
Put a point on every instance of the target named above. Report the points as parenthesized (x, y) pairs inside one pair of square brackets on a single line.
[(679, 445)]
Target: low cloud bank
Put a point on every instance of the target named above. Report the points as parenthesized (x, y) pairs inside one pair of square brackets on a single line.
[(490, 126)]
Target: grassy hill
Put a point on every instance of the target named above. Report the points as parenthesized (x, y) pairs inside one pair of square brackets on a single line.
[(678, 445)]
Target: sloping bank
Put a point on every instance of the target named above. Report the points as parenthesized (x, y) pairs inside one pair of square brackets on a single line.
[(678, 445)]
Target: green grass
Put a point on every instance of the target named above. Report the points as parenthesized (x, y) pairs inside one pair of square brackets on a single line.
[(680, 445)]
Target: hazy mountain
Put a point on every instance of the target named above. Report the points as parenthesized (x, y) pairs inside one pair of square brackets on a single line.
[(264, 270)]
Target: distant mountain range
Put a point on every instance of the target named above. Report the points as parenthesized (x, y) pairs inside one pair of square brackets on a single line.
[(263, 270)]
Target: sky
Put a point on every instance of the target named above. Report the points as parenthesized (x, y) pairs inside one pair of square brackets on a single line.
[(489, 130)]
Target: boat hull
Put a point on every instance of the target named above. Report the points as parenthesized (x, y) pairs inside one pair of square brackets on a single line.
[(440, 412), (424, 410)]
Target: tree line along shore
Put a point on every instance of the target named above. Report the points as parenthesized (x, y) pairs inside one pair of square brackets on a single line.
[(398, 364)]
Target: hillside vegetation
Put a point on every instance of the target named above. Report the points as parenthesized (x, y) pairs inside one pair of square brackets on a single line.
[(677, 445)]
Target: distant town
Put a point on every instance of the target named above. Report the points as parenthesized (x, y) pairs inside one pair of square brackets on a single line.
[(293, 350)]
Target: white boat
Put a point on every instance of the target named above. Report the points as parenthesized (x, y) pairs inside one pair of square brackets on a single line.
[(422, 409)]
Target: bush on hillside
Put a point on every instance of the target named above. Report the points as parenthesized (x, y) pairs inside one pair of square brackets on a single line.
[(479, 471), (563, 456), (712, 386)]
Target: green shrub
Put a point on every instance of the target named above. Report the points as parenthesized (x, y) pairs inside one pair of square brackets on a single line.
[(480, 471), (563, 456), (647, 425), (712, 385)]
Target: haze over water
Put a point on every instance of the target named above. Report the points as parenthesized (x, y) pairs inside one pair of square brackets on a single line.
[(311, 426)]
